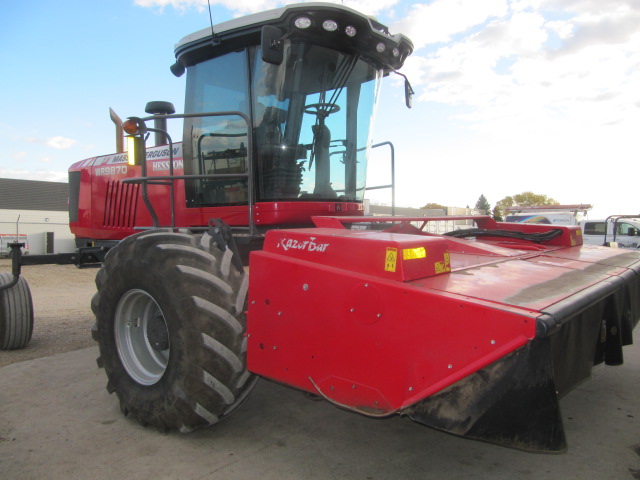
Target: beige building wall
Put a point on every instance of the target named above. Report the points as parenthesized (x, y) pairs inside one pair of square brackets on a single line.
[(36, 224)]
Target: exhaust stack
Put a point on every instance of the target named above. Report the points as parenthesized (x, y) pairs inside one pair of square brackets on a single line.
[(119, 134), (159, 110)]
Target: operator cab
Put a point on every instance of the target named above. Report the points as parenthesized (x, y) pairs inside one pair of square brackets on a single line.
[(299, 84)]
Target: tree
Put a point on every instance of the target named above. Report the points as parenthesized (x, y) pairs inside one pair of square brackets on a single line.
[(525, 199), (430, 206), (483, 204), (497, 214)]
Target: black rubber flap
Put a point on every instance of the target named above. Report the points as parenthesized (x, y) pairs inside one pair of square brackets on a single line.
[(512, 402)]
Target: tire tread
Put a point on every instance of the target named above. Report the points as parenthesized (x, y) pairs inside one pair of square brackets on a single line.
[(16, 314), (211, 380)]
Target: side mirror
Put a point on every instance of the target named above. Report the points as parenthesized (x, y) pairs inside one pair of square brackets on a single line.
[(408, 93), (272, 47)]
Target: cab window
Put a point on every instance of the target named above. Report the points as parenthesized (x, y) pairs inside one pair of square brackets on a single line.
[(217, 145), (626, 229), (594, 228)]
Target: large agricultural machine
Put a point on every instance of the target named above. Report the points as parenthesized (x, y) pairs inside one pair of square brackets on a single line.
[(243, 252)]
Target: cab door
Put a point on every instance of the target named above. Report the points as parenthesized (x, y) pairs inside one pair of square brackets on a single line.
[(627, 235)]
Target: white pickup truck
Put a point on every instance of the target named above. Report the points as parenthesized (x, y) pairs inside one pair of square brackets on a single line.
[(617, 230), (7, 238), (623, 230)]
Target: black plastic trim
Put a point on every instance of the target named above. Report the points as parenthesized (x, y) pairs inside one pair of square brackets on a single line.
[(74, 195)]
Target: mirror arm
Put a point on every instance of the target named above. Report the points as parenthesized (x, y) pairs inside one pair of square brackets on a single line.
[(408, 90)]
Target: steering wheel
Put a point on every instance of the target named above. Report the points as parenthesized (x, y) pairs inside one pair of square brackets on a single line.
[(322, 109)]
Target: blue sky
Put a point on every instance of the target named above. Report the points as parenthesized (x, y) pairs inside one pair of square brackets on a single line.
[(511, 95)]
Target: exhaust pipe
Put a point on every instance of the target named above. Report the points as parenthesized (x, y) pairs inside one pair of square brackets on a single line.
[(119, 133)]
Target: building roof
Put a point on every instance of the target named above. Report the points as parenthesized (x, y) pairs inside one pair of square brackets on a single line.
[(33, 195)]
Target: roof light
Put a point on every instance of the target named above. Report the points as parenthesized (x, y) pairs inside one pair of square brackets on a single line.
[(380, 47), (302, 22), (330, 25), (395, 52), (351, 31)]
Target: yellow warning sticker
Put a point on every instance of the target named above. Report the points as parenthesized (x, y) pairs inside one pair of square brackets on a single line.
[(413, 253), (445, 265), (391, 259), (575, 237)]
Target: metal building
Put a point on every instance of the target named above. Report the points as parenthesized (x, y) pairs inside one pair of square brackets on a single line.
[(36, 212)]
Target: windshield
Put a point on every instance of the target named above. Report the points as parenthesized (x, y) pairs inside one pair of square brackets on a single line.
[(311, 118)]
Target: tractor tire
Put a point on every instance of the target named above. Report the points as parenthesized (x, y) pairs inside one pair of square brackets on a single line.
[(170, 326), (16, 314)]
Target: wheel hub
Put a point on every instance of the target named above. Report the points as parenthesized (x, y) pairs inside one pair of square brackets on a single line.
[(142, 337), (157, 333)]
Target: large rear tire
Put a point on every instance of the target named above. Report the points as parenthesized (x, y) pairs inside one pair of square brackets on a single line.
[(16, 314), (170, 325)]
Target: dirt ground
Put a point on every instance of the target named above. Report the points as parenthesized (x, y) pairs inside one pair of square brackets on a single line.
[(62, 307)]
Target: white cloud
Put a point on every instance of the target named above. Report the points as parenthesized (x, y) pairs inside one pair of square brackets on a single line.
[(509, 68), (241, 6), (595, 7), (548, 88), (44, 175), (61, 143), (564, 30), (526, 33), (370, 7), (58, 142), (440, 20), (613, 27)]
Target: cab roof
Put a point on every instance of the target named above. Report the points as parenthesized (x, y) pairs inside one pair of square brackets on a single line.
[(239, 32)]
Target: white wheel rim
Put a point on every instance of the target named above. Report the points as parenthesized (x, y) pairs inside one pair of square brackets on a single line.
[(139, 323)]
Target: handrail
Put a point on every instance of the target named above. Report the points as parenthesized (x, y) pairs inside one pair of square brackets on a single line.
[(483, 221), (393, 176), (615, 222), (171, 178)]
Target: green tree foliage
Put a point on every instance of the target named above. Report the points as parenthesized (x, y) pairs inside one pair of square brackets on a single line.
[(430, 206), (483, 204), (525, 199), (497, 214)]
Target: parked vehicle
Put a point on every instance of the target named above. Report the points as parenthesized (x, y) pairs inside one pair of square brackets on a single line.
[(7, 238), (548, 214), (617, 230)]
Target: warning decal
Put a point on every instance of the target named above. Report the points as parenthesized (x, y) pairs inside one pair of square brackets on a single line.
[(445, 265), (413, 253), (391, 259)]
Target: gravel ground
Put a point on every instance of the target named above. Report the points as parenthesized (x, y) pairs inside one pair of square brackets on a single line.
[(62, 305)]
